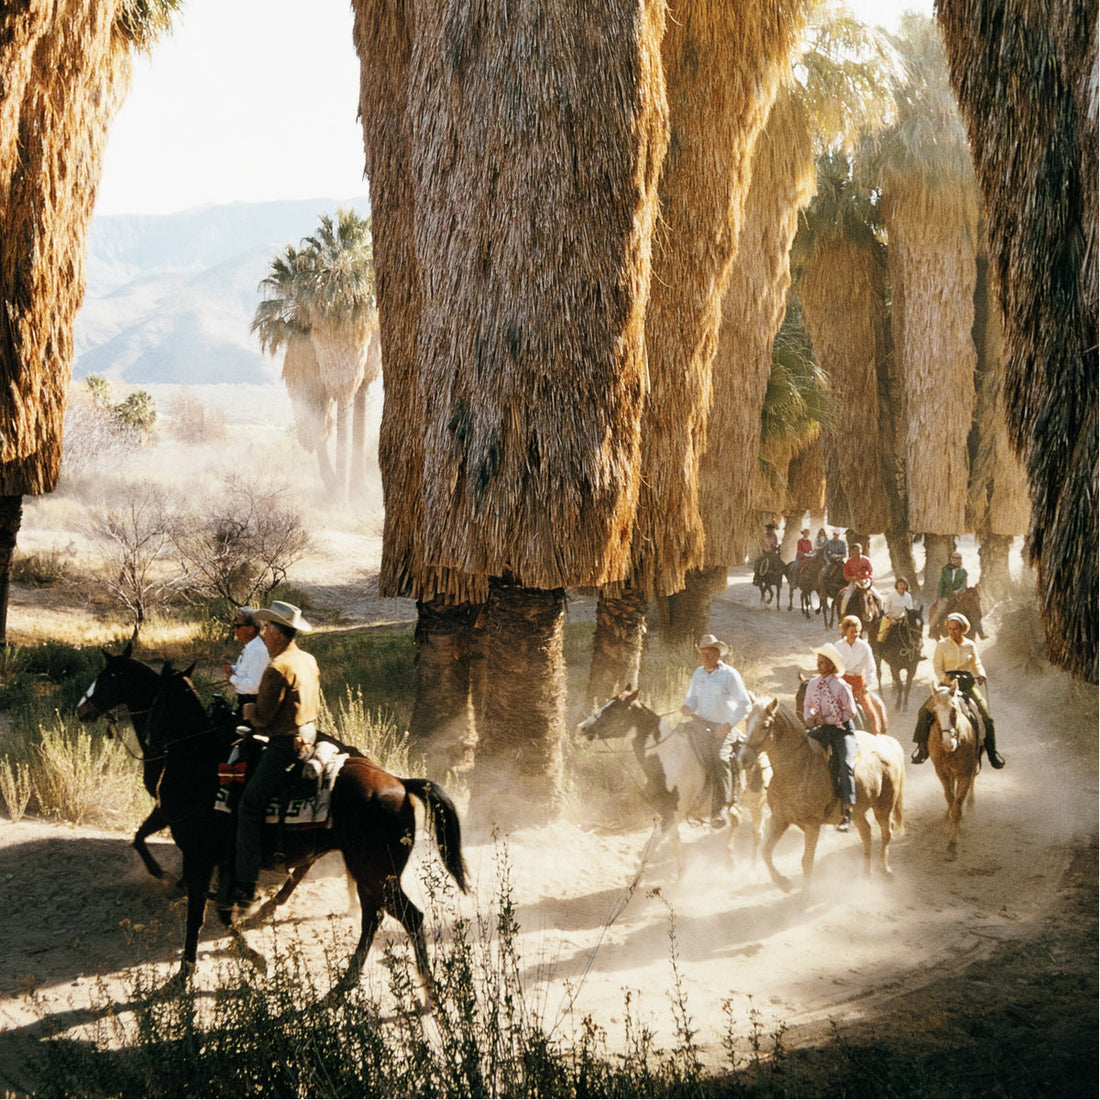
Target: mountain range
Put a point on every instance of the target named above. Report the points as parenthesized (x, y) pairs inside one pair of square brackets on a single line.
[(170, 297)]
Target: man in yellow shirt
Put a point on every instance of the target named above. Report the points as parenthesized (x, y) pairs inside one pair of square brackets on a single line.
[(957, 653)]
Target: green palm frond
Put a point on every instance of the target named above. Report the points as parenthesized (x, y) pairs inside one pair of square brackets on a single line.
[(342, 256), (283, 311), (797, 400)]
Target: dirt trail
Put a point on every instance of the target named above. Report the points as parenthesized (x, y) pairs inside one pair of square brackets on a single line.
[(855, 950)]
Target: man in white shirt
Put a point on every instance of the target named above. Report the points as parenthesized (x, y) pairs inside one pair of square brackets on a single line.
[(717, 700), (245, 675)]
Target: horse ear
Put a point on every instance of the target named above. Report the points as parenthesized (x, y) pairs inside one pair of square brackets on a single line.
[(190, 668), (629, 696), (128, 650), (771, 707), (166, 670)]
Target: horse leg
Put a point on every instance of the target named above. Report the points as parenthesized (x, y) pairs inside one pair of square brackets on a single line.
[(863, 826), (152, 824), (267, 910), (884, 816), (776, 828), (398, 905), (809, 850)]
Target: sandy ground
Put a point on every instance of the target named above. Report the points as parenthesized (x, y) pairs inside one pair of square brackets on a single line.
[(853, 950)]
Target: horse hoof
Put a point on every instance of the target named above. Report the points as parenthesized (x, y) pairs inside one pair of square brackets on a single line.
[(951, 854)]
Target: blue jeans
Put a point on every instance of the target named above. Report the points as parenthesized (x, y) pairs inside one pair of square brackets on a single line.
[(267, 779), (842, 740)]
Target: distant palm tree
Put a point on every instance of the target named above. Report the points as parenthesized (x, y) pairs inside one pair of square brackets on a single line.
[(66, 70), (322, 292)]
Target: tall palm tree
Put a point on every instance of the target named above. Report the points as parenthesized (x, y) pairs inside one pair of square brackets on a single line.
[(930, 203), (281, 322), (66, 71), (1027, 88), (337, 293)]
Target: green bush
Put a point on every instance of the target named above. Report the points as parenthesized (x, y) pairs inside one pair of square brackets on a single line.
[(40, 568)]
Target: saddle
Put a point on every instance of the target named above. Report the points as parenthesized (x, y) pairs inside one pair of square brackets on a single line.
[(305, 799), (966, 682)]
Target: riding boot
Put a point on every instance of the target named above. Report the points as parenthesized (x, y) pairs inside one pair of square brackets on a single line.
[(920, 736), (845, 820), (996, 760), (723, 785)]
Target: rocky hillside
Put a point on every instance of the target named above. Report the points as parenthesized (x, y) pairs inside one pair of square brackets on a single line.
[(170, 297)]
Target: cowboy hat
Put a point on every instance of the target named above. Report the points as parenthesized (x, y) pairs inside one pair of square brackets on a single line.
[(709, 641), (285, 614), (831, 653), (962, 620)]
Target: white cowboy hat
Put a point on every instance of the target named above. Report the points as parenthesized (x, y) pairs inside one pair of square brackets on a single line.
[(285, 614), (831, 653), (962, 620), (709, 641)]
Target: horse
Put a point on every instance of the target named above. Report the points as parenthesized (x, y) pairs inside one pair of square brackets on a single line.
[(955, 748), (801, 789), (830, 581), (866, 605), (901, 650), (967, 602), (134, 685), (802, 573), (373, 821), (676, 777), (767, 575)]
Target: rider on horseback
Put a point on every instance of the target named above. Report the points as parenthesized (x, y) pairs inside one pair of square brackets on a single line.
[(835, 549), (286, 710), (897, 604), (955, 653), (831, 709), (859, 663), (716, 701), (858, 572)]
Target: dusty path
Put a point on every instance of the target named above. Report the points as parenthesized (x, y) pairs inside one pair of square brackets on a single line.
[(79, 908)]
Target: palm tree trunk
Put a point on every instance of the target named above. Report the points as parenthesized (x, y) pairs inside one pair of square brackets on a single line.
[(937, 549), (900, 546), (617, 645), (442, 721), (517, 778), (357, 475), (792, 528), (343, 424), (993, 556), (687, 612), (324, 464), (11, 517)]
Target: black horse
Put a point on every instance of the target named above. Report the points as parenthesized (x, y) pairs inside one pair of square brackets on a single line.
[(830, 582), (767, 575), (129, 683), (803, 574), (373, 821), (901, 650)]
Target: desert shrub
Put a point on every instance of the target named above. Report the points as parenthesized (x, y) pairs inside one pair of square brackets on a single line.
[(194, 422), (377, 733), (40, 568)]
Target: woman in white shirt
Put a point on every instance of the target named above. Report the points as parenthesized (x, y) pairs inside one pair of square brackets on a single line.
[(897, 602), (859, 667), (246, 674)]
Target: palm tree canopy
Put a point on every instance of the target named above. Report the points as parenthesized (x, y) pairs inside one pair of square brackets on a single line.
[(282, 313), (339, 285)]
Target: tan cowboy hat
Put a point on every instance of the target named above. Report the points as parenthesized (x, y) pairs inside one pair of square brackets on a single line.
[(831, 653), (962, 620), (709, 641), (285, 614)]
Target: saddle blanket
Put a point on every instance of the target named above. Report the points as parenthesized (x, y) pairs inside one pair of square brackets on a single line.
[(309, 799)]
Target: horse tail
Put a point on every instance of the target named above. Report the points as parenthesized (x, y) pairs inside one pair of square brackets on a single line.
[(897, 815), (443, 825)]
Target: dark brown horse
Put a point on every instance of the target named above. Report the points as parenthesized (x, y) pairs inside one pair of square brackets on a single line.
[(373, 821), (901, 650), (830, 582), (131, 684), (967, 602)]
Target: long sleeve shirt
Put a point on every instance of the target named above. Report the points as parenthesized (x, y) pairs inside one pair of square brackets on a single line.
[(858, 658), (858, 569), (249, 669), (718, 696), (952, 580), (949, 657), (290, 693), (829, 701), (895, 604)]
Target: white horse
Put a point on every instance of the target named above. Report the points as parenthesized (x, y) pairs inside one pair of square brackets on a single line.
[(676, 776)]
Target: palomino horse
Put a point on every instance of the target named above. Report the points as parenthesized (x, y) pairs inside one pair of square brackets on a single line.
[(373, 821), (676, 779), (953, 745), (967, 602), (901, 650), (768, 574), (801, 789)]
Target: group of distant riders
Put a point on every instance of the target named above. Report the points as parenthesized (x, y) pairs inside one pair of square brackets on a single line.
[(717, 699)]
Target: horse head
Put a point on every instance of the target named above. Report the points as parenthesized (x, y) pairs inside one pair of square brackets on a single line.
[(760, 726), (123, 682), (944, 705), (616, 718)]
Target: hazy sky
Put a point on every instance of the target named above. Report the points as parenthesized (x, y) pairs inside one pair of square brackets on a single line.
[(255, 100)]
